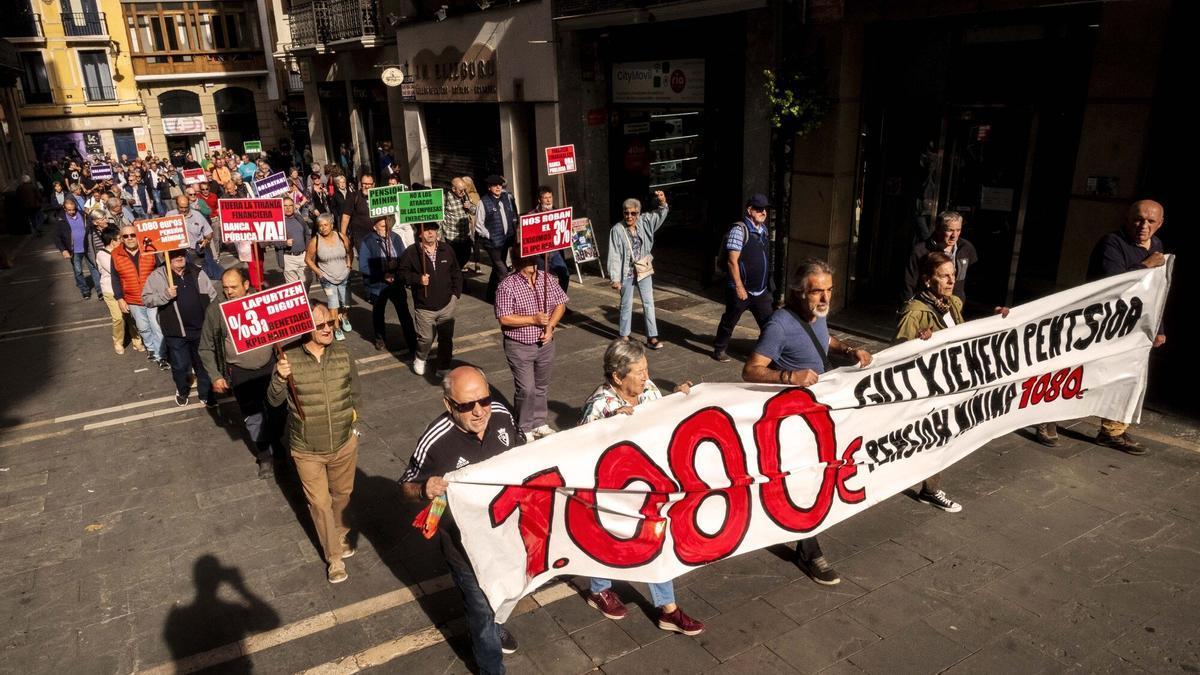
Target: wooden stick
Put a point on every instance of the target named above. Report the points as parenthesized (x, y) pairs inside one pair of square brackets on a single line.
[(170, 275), (545, 282)]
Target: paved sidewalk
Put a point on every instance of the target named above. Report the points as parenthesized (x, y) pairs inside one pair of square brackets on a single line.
[(136, 537)]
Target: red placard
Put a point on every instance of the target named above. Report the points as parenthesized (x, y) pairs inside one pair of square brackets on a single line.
[(159, 235), (545, 231), (194, 176), (251, 220), (262, 319), (214, 145), (560, 159)]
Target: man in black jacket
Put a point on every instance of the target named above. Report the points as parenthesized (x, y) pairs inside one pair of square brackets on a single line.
[(432, 271), (182, 301)]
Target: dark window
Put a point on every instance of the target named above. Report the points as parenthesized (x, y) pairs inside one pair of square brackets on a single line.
[(178, 103), (34, 79)]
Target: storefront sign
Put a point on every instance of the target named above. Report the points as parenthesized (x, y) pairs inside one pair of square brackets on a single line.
[(252, 146), (392, 77), (560, 159), (271, 186), (160, 235), (251, 220), (102, 171), (194, 176), (680, 81), (262, 319), (726, 469), (183, 126), (453, 75), (545, 231)]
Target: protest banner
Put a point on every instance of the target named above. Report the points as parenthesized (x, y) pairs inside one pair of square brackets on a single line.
[(194, 176), (545, 231), (420, 206), (251, 220), (102, 171), (272, 186), (383, 201), (729, 468), (560, 159), (160, 235), (268, 317), (252, 147)]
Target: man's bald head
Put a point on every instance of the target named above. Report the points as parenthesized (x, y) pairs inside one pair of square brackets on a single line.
[(1143, 220)]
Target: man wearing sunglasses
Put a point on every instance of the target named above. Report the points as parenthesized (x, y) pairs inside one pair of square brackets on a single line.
[(324, 443), (473, 428)]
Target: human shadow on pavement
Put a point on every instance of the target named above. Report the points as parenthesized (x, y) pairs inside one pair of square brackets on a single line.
[(210, 621)]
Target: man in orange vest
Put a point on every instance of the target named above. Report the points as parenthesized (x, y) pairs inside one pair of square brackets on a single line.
[(130, 269)]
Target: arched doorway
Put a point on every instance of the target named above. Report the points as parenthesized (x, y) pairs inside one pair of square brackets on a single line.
[(183, 124), (237, 117)]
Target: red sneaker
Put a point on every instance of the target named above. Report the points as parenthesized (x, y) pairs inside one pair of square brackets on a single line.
[(679, 622), (608, 603)]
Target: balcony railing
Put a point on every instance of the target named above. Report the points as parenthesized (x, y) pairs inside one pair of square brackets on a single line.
[(24, 24), (99, 92), (173, 63), (319, 23), (84, 24), (294, 81)]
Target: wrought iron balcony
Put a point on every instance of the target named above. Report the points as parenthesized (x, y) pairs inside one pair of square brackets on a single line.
[(84, 24), (307, 23), (23, 24), (99, 92), (353, 20), (319, 24)]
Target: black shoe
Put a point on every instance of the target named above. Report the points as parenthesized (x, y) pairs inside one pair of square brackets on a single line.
[(211, 403), (1120, 442), (181, 400), (87, 296), (508, 643), (819, 571), (265, 470), (721, 356), (163, 364)]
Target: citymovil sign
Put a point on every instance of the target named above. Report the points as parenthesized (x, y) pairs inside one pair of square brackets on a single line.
[(454, 75)]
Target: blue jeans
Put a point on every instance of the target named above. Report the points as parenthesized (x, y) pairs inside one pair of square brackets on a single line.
[(645, 289), (184, 355), (146, 320), (335, 294), (481, 622), (660, 594), (81, 282)]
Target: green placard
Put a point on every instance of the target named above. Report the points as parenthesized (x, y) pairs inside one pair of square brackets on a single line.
[(421, 206), (383, 201), (252, 146)]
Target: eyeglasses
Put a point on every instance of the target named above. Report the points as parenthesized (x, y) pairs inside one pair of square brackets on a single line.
[(462, 408), (632, 213), (328, 325), (128, 236)]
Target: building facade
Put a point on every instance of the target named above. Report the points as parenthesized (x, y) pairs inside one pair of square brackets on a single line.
[(77, 91), (206, 74)]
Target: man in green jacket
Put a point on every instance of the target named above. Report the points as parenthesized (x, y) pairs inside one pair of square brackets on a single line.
[(324, 443)]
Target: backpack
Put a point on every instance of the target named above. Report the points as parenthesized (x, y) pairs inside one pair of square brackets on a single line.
[(721, 261)]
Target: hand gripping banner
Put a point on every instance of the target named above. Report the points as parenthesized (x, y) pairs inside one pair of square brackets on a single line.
[(730, 468)]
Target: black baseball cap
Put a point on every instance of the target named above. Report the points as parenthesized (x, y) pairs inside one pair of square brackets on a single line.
[(495, 180), (758, 201)]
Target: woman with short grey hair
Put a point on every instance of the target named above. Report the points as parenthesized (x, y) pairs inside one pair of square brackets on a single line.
[(626, 385), (630, 262)]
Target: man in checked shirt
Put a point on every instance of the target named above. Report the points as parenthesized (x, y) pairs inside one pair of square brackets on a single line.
[(529, 306)]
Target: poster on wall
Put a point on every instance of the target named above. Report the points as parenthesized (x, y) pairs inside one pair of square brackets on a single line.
[(680, 81)]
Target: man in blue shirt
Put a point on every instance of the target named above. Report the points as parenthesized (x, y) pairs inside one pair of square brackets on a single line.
[(794, 349), (748, 247)]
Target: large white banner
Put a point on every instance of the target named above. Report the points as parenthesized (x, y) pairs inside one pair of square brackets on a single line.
[(731, 468)]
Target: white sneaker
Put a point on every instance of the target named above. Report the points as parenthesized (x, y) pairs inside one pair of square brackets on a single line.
[(529, 436), (542, 431), (419, 366)]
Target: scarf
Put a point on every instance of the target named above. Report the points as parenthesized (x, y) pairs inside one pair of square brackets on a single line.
[(939, 304)]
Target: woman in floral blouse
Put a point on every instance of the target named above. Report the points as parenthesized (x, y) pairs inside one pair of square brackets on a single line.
[(626, 385)]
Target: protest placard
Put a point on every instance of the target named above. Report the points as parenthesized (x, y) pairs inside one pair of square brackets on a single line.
[(214, 145), (251, 220), (419, 206), (160, 235), (545, 231), (272, 186), (194, 176), (268, 317), (102, 171), (560, 159), (252, 147), (383, 201)]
